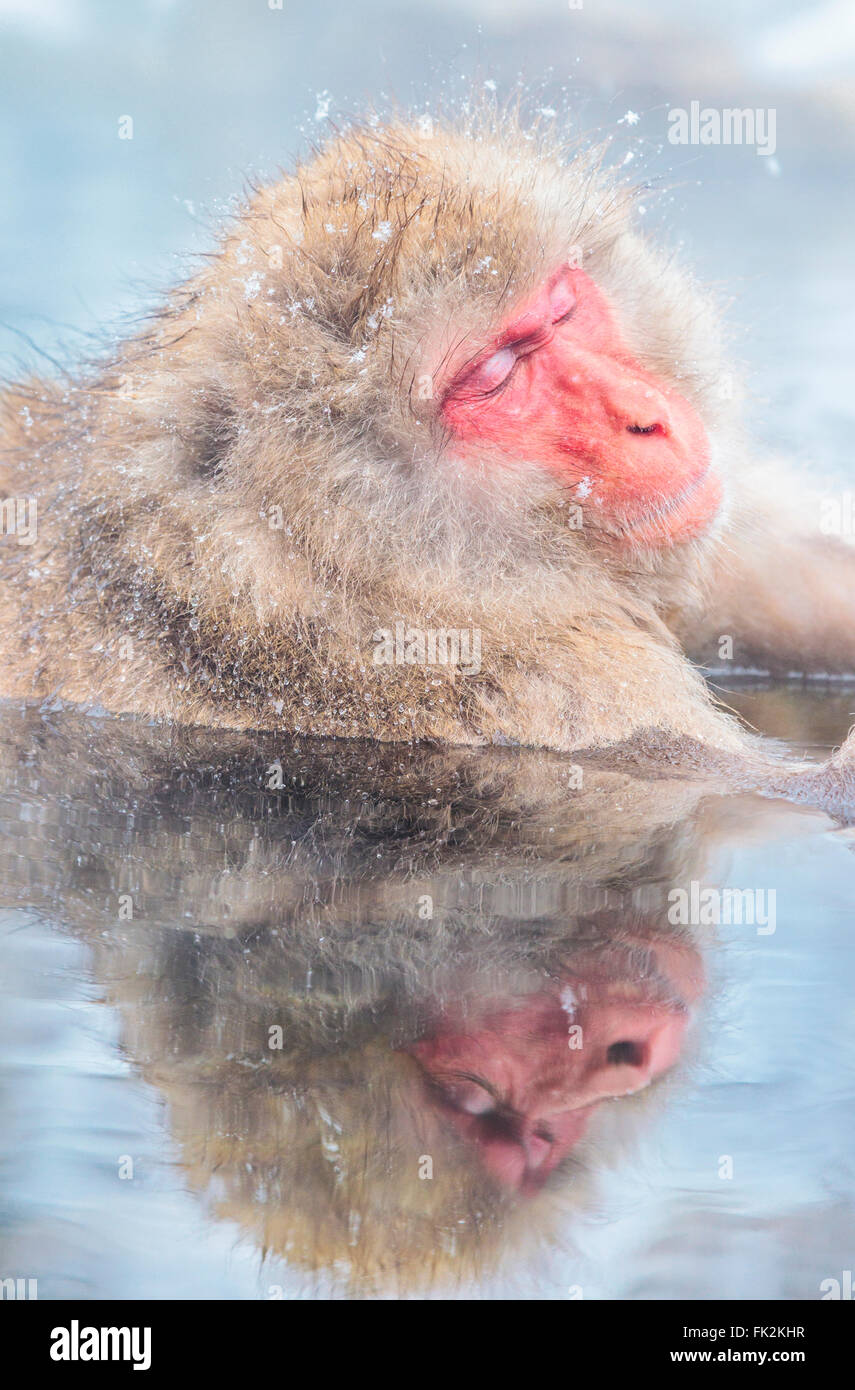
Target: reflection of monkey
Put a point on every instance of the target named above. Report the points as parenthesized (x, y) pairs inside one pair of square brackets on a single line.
[(396, 401), (309, 1026)]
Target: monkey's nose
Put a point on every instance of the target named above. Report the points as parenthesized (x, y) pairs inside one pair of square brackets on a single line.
[(636, 1049), (656, 428), (537, 1147), (633, 403), (625, 1053)]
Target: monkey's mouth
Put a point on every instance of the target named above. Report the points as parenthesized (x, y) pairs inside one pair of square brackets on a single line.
[(684, 516)]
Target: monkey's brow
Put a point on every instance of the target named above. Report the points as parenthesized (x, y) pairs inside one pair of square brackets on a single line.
[(526, 326), (515, 336), (532, 339)]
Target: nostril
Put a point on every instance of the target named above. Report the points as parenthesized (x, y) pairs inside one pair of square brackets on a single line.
[(625, 1054), (646, 429), (538, 1147)]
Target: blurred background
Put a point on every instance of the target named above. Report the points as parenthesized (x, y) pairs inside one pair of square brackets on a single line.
[(92, 224)]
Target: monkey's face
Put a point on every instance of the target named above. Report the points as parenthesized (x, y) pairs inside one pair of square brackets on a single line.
[(557, 387), (470, 328), (520, 1079)]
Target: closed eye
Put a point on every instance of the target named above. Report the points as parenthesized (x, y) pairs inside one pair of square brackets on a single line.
[(493, 371), (492, 374), (469, 1094)]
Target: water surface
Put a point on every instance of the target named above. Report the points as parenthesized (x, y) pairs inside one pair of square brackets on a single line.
[(417, 1023)]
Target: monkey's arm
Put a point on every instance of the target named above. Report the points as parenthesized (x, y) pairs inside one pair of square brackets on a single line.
[(782, 592)]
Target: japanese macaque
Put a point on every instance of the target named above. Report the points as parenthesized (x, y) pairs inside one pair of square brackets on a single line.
[(435, 446), (396, 1045)]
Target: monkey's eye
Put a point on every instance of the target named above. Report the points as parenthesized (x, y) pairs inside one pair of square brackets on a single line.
[(466, 1094), (493, 372)]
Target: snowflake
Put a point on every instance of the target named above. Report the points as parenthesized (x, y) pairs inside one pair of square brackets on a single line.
[(252, 286)]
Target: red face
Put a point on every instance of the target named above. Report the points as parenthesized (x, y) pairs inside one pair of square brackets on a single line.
[(521, 1079), (558, 388)]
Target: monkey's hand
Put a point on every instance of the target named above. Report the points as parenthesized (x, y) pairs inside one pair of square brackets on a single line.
[(830, 784)]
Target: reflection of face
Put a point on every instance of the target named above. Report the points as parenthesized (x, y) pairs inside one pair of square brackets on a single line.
[(520, 1078)]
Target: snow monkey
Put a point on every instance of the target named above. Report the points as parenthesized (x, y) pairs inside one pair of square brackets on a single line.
[(434, 446)]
